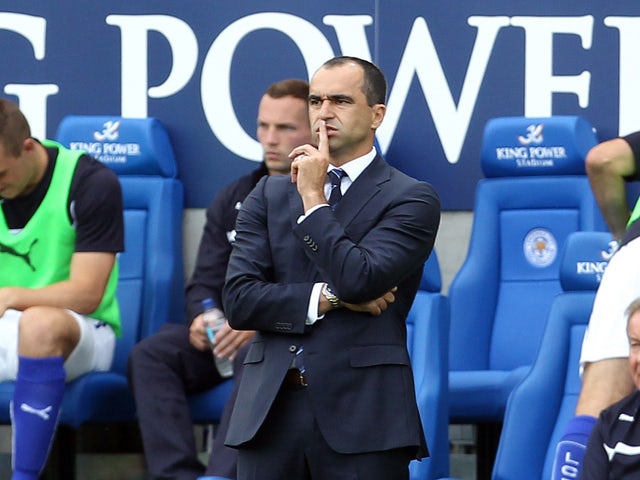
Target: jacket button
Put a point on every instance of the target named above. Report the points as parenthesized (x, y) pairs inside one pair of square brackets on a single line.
[(292, 348)]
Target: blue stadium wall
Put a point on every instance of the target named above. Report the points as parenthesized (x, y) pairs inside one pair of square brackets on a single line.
[(200, 68)]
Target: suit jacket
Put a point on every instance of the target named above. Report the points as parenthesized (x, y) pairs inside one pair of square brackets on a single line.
[(360, 382)]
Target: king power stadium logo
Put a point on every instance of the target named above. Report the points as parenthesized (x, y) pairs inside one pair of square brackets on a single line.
[(597, 268), (529, 151), (24, 256), (104, 145), (534, 135), (109, 131)]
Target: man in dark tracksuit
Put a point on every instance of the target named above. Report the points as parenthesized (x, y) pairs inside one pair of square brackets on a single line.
[(613, 450), (178, 361)]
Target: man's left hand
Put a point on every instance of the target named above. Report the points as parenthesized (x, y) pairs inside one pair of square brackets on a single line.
[(228, 341)]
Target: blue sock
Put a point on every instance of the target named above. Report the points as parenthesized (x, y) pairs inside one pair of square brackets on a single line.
[(34, 413), (569, 454)]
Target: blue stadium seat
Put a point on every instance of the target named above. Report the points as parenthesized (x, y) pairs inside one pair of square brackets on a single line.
[(540, 406), (534, 195), (206, 407), (428, 345), (150, 288)]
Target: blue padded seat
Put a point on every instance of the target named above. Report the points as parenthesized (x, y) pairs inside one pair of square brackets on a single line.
[(540, 406), (206, 407), (151, 274), (150, 285), (534, 196), (428, 345)]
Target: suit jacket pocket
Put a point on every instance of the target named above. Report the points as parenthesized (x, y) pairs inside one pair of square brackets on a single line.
[(371, 355), (255, 353)]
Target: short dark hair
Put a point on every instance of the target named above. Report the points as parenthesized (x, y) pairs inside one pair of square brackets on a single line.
[(291, 87), (374, 85), (632, 308), (14, 128)]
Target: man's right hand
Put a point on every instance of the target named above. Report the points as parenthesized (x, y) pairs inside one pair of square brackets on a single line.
[(198, 334), (374, 307), (228, 340)]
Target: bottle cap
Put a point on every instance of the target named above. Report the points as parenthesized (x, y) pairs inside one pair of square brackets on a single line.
[(208, 303)]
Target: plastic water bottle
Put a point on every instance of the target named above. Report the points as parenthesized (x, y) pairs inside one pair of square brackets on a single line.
[(213, 321)]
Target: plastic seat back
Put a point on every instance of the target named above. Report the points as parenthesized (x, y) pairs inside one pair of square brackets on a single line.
[(428, 345), (150, 287), (542, 404), (150, 284), (534, 196)]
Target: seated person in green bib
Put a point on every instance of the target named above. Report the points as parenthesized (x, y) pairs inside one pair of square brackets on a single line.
[(61, 226)]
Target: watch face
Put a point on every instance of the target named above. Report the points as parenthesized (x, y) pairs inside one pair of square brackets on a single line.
[(330, 296)]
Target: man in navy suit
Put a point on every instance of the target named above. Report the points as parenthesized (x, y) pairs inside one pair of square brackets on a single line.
[(327, 388)]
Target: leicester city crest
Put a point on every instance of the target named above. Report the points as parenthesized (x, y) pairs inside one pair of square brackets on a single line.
[(540, 247)]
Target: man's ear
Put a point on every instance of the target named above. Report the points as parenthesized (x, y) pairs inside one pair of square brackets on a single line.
[(29, 144), (378, 111)]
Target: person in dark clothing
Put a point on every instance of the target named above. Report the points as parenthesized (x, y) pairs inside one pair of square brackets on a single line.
[(613, 450), (178, 360), (325, 267)]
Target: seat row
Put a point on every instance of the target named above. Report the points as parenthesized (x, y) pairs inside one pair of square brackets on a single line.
[(519, 304), (472, 350)]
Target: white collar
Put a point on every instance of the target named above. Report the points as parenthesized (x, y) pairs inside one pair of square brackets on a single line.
[(355, 167)]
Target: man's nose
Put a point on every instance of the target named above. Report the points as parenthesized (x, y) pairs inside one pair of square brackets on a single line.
[(325, 109), (271, 136)]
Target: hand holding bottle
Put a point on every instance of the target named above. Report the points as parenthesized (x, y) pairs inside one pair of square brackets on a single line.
[(214, 321)]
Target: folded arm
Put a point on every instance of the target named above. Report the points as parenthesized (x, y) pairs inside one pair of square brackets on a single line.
[(82, 292)]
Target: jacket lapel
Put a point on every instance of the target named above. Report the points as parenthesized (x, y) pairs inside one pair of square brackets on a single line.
[(363, 190), (360, 193)]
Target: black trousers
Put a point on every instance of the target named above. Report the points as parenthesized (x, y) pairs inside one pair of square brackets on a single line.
[(163, 370), (289, 445)]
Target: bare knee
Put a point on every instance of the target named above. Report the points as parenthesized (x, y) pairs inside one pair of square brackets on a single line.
[(597, 162), (47, 331), (612, 158)]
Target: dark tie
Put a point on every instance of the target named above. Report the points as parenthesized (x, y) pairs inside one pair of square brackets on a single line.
[(335, 176)]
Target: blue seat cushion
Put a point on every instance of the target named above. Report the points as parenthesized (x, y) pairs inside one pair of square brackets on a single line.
[(95, 396), (207, 407), (489, 390)]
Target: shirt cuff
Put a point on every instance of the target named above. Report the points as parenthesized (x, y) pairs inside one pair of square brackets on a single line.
[(314, 302), (302, 218)]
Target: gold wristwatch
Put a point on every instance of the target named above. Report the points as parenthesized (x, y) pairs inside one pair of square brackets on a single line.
[(330, 296)]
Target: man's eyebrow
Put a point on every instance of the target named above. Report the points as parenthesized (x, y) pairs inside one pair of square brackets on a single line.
[(333, 98)]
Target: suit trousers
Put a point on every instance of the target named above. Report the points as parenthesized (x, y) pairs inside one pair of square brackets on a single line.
[(290, 445), (163, 370)]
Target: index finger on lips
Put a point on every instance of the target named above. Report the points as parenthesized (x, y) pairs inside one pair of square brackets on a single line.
[(323, 139)]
